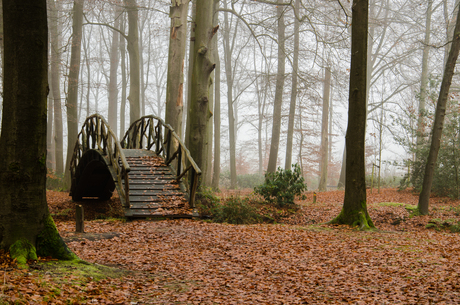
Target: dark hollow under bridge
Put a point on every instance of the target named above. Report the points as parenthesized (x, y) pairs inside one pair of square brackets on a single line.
[(150, 167)]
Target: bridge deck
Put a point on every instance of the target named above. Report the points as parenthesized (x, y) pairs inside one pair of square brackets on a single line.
[(153, 190)]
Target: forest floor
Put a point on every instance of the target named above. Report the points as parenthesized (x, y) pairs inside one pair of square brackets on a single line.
[(298, 260)]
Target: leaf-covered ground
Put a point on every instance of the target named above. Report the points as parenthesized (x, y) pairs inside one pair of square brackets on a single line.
[(297, 261)]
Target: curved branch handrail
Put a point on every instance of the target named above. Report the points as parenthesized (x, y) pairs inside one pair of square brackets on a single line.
[(145, 134), (97, 134)]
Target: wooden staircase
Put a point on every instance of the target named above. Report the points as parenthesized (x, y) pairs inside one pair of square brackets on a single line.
[(153, 189)]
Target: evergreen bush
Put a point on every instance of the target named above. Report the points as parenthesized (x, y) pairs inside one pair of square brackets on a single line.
[(281, 187)]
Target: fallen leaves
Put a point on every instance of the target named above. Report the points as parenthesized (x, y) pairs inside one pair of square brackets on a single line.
[(298, 262)]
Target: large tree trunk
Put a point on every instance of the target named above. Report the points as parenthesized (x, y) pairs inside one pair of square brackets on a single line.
[(228, 48), (200, 115), (354, 211), (24, 216), (176, 56), (1, 56), (324, 131), (72, 97), (56, 87), (113, 74), (276, 128), (133, 51), (295, 67), (439, 120)]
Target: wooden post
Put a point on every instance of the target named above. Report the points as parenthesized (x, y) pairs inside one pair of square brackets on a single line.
[(314, 197), (79, 218)]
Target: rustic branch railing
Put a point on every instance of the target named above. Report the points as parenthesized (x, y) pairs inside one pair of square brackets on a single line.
[(147, 133), (97, 134)]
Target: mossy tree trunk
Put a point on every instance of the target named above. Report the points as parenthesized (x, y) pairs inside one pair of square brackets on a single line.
[(439, 120), (354, 211), (25, 222), (199, 115)]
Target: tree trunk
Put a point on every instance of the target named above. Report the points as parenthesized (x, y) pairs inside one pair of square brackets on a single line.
[(133, 51), (1, 56), (343, 171), (49, 136), (190, 69), (24, 215), (72, 97), (123, 82), (228, 48), (276, 128), (215, 50), (216, 166), (113, 80), (324, 131), (86, 46), (261, 103), (176, 56), (295, 67), (424, 77), (56, 87), (200, 115), (439, 120), (354, 211), (142, 84)]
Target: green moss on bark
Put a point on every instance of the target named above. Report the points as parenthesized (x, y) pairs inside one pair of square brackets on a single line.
[(355, 218), (50, 243), (22, 250)]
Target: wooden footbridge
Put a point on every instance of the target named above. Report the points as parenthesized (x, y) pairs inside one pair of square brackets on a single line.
[(150, 167)]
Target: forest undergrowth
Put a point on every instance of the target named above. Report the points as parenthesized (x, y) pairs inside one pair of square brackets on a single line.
[(294, 260)]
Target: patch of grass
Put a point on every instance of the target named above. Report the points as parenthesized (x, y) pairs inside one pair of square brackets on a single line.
[(438, 224), (391, 204), (412, 209), (80, 269)]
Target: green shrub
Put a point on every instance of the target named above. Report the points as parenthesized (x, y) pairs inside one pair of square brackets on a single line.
[(282, 186), (206, 201), (236, 210)]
